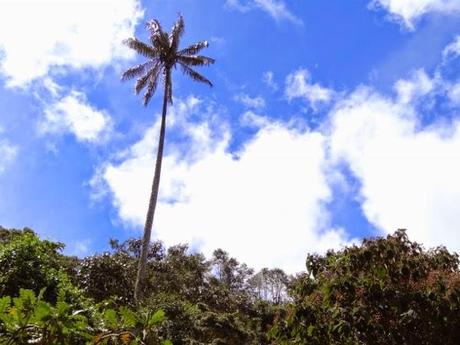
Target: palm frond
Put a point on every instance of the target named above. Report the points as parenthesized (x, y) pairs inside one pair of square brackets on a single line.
[(176, 33), (165, 39), (142, 81), (194, 74), (158, 37), (154, 27), (160, 41), (151, 88), (141, 47), (194, 48), (195, 60), (135, 71)]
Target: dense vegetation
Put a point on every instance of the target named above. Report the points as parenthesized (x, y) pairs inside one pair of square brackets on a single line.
[(385, 291), (216, 301)]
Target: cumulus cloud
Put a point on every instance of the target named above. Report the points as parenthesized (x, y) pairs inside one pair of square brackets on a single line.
[(408, 173), (299, 85), (272, 196), (75, 34), (408, 11), (275, 193), (277, 9), (72, 114), (417, 86)]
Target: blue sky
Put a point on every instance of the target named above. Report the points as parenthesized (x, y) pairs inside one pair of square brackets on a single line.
[(328, 121)]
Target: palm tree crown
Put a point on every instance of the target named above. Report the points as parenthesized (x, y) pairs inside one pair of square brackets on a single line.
[(163, 54)]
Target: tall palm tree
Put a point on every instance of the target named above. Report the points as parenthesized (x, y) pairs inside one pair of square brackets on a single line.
[(163, 54)]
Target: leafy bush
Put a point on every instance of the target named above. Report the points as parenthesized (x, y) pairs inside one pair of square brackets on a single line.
[(28, 319), (387, 291), (127, 327), (107, 276), (29, 263)]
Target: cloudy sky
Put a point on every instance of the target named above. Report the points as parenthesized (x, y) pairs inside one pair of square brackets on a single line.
[(329, 121)]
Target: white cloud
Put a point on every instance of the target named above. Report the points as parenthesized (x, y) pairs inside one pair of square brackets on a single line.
[(453, 49), (251, 102), (408, 11), (419, 85), (299, 85), (73, 114), (251, 119), (270, 197), (8, 153), (269, 80), (454, 94), (408, 175), (38, 35), (238, 5), (277, 9)]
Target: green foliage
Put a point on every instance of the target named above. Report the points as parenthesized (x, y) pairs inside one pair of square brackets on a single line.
[(107, 276), (216, 301), (28, 262), (29, 319), (128, 327), (387, 291)]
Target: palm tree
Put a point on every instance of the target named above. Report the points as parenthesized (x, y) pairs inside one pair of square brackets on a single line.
[(163, 54)]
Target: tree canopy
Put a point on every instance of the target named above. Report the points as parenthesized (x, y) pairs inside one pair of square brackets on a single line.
[(384, 291)]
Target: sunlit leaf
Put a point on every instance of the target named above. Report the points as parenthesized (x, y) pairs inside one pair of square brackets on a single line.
[(157, 318)]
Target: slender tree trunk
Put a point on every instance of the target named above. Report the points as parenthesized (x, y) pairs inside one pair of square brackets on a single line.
[(140, 279)]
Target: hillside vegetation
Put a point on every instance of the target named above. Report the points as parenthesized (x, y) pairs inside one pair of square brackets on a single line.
[(384, 291)]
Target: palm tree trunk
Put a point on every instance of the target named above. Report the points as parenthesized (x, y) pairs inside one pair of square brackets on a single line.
[(140, 279)]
